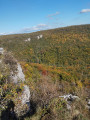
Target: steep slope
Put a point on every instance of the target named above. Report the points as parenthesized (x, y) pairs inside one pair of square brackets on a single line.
[(55, 63)]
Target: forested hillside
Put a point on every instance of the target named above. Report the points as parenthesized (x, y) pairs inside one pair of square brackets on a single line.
[(55, 62), (68, 48)]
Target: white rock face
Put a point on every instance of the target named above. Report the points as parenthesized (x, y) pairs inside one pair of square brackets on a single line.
[(40, 36), (24, 106), (19, 76), (28, 40), (26, 95), (25, 98)]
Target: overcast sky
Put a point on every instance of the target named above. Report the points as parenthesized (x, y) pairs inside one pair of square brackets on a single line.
[(23, 16)]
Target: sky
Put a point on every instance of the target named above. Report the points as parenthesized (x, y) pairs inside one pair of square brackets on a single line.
[(25, 16)]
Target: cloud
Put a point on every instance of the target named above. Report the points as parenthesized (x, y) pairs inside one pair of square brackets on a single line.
[(29, 29), (52, 15), (7, 33), (85, 10), (4, 33), (35, 28)]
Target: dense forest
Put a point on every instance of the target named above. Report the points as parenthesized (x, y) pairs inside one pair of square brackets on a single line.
[(55, 62)]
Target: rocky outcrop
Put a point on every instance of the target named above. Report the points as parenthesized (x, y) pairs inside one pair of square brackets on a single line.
[(28, 40), (24, 105), (39, 37), (69, 99), (17, 77)]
